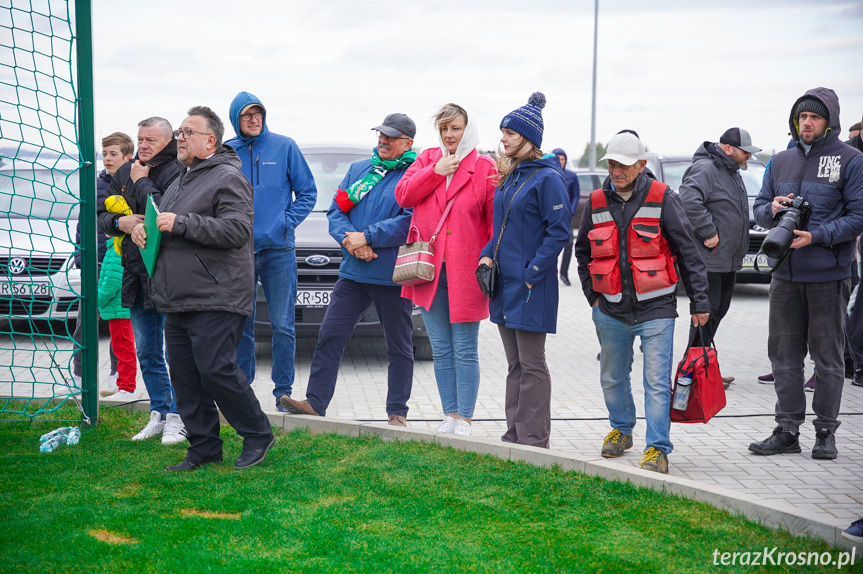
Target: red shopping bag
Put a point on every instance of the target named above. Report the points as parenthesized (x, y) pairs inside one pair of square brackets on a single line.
[(707, 394)]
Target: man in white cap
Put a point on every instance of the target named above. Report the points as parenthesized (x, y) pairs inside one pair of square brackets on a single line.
[(634, 244), (717, 205)]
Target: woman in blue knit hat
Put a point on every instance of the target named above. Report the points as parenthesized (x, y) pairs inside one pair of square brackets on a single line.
[(530, 228)]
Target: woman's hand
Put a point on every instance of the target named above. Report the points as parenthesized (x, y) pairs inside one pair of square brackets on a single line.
[(446, 165), (487, 260)]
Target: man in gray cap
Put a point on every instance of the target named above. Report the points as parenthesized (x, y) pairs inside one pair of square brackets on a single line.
[(717, 206), (366, 219)]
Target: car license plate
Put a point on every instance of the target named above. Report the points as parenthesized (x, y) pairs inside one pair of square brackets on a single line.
[(749, 260), (313, 298), (24, 290)]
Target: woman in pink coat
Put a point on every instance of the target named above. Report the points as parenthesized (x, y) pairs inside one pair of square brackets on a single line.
[(452, 304)]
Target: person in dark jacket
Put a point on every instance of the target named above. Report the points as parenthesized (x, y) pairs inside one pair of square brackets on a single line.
[(809, 291), (855, 138), (154, 167), (285, 194), (634, 244), (532, 197), (202, 282), (571, 180), (717, 206), (117, 149), (370, 225)]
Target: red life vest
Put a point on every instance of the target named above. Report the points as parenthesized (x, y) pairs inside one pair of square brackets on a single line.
[(648, 255)]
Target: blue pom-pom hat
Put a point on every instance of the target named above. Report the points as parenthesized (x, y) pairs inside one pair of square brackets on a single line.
[(527, 120)]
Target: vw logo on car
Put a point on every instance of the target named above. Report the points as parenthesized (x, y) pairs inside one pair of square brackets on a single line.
[(17, 266), (317, 260)]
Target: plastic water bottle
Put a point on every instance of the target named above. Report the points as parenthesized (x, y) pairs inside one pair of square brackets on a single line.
[(52, 443), (48, 436), (681, 392), (74, 436)]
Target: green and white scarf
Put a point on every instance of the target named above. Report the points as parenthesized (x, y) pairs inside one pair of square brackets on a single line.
[(347, 199)]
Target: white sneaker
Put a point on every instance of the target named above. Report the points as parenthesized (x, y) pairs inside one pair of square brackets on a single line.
[(462, 427), (153, 428), (73, 381), (446, 426), (111, 386), (174, 431), (121, 395)]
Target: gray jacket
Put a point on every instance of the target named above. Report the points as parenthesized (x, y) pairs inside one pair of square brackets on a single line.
[(715, 200), (206, 263)]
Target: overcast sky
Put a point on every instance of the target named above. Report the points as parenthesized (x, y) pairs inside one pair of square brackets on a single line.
[(678, 72)]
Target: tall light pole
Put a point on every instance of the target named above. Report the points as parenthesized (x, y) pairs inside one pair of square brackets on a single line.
[(592, 152)]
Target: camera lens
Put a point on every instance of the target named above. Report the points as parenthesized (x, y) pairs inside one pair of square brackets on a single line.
[(779, 238)]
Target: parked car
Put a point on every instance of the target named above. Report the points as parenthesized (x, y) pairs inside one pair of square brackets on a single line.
[(319, 257), (670, 170), (38, 216), (588, 181)]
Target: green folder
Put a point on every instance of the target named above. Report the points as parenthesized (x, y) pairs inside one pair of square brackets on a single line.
[(154, 237)]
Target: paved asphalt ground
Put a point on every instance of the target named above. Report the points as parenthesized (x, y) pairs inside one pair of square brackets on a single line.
[(714, 454)]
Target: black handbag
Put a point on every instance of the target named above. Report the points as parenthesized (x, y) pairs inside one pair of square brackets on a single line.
[(487, 277)]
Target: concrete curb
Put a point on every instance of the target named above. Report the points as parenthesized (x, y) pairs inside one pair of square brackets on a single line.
[(766, 512)]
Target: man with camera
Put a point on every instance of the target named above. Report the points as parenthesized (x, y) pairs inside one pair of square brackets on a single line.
[(812, 197)]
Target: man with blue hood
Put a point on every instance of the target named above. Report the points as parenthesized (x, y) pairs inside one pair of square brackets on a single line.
[(809, 291), (574, 189), (285, 194)]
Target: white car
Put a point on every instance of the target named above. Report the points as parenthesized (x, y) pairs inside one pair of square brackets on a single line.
[(39, 203)]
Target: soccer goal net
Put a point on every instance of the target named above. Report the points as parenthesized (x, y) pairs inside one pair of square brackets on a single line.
[(40, 204)]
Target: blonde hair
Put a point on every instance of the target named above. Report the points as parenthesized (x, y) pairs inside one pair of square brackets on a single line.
[(506, 164), (448, 113)]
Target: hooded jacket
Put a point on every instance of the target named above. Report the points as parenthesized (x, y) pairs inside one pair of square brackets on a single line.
[(572, 185), (676, 230), (830, 177), (384, 222), (164, 169), (537, 229), (466, 230), (715, 200), (110, 284), (277, 170), (206, 262)]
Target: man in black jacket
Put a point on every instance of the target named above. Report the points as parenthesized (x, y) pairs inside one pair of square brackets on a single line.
[(203, 283), (856, 140), (717, 206), (146, 177)]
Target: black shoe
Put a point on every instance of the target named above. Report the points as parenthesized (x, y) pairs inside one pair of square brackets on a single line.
[(251, 457), (565, 279), (825, 445), (191, 465), (857, 381), (780, 442)]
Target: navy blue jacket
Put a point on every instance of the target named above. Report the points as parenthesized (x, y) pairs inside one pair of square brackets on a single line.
[(537, 230), (277, 170), (830, 178), (380, 217), (102, 183)]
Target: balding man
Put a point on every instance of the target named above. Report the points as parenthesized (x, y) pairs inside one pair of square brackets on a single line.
[(146, 176)]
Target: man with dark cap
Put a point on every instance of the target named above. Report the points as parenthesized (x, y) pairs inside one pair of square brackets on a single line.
[(855, 136), (370, 224), (717, 206), (810, 288), (570, 178)]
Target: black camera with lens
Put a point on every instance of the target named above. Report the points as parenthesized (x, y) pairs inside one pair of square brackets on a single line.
[(777, 244)]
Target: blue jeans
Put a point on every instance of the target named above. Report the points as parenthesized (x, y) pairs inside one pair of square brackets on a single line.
[(456, 360), (657, 340), (149, 327), (276, 269)]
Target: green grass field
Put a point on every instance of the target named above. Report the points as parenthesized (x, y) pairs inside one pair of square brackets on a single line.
[(327, 503)]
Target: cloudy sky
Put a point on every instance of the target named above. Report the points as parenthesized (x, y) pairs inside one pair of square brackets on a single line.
[(329, 70)]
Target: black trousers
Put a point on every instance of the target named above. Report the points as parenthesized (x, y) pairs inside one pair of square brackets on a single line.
[(567, 255), (720, 289), (202, 355)]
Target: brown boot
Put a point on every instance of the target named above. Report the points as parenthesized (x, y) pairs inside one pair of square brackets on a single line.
[(297, 407)]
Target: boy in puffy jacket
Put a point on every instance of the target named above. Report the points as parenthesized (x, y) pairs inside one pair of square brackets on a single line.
[(119, 322)]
